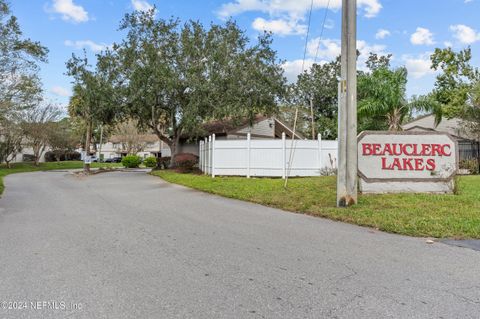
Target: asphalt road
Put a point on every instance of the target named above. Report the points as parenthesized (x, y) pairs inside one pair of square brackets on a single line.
[(128, 245)]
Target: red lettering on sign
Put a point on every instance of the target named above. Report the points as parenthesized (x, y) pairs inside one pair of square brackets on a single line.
[(407, 164), (444, 153), (367, 149), (431, 164), (419, 164), (426, 149), (404, 149)]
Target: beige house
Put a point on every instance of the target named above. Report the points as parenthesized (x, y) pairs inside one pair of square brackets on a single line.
[(453, 126), (27, 153), (468, 144), (150, 145), (261, 128)]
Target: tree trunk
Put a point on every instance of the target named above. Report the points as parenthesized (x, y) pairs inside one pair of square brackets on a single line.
[(86, 166), (174, 148), (170, 142), (36, 154)]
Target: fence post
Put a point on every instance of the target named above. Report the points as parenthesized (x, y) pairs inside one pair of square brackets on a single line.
[(248, 154), (205, 155), (200, 156), (209, 168), (320, 152), (284, 155), (213, 155)]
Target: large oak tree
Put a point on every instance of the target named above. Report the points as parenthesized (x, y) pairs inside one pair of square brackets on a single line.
[(20, 86), (173, 77)]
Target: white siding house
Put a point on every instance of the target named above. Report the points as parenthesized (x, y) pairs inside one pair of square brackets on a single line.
[(261, 128), (114, 148)]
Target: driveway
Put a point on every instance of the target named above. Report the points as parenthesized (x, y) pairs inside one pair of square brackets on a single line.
[(128, 245)]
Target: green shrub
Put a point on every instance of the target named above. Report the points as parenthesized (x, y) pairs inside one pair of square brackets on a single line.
[(471, 165), (186, 162), (131, 161), (62, 155), (164, 162), (150, 161)]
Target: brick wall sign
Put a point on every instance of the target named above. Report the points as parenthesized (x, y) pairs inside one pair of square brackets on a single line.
[(397, 162)]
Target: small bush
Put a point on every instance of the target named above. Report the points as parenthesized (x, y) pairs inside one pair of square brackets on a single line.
[(62, 155), (186, 162), (163, 162), (131, 161), (28, 158), (471, 165), (73, 156), (150, 161), (326, 171)]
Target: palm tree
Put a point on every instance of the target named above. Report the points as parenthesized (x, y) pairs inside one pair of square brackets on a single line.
[(382, 95)]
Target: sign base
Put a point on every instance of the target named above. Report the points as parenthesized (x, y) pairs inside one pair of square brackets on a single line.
[(407, 187)]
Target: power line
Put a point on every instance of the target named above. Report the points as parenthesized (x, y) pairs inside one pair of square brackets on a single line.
[(292, 147), (306, 38), (321, 32)]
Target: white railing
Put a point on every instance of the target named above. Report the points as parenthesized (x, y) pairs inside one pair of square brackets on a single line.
[(266, 157)]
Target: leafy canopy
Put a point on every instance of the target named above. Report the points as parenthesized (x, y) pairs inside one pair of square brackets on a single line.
[(20, 86), (382, 100), (318, 85), (455, 81), (173, 77)]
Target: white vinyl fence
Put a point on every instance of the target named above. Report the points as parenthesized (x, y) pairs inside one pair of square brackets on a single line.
[(264, 157)]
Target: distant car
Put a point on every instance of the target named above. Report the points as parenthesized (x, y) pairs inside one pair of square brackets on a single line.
[(91, 159), (113, 160)]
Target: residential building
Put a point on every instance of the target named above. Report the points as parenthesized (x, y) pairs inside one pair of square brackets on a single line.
[(468, 144)]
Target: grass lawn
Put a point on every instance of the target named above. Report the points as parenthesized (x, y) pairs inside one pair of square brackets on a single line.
[(422, 215), (29, 167)]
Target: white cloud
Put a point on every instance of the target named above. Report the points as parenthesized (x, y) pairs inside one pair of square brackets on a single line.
[(329, 24), (365, 49), (293, 8), (328, 49), (294, 68), (60, 91), (422, 36), (418, 66), (141, 5), (95, 47), (371, 7), (465, 34), (279, 26), (69, 11), (382, 34)]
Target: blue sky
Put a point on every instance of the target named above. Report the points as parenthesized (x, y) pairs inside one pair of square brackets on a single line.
[(409, 29)]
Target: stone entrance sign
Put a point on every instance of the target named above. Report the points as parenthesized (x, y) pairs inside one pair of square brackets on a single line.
[(396, 162)]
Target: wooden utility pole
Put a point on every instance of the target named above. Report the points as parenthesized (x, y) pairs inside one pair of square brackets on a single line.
[(347, 112)]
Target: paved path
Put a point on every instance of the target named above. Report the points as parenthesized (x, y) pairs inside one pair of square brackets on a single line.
[(128, 245)]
